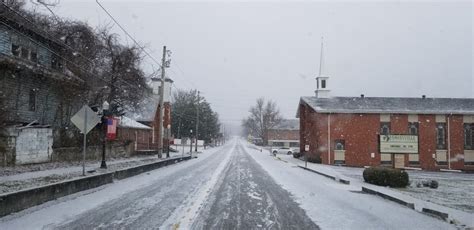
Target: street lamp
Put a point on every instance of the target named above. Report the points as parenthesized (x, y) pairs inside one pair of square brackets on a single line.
[(168, 135), (191, 144), (105, 113)]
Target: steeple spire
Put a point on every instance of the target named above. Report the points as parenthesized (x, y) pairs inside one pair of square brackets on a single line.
[(322, 90), (321, 57)]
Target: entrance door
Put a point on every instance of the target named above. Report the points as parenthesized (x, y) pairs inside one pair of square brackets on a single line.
[(399, 160)]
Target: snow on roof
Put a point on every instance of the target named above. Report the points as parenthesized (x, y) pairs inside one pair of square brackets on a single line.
[(126, 122), (289, 124), (400, 105)]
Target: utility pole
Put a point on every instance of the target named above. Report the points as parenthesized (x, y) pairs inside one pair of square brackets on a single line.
[(160, 111), (197, 123)]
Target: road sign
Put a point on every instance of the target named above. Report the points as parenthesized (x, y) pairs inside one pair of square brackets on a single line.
[(306, 148), (80, 117)]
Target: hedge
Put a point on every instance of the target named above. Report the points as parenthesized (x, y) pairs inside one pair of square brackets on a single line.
[(386, 177)]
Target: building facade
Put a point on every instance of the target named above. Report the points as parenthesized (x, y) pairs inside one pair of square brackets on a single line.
[(149, 114), (286, 134), (33, 85), (351, 130)]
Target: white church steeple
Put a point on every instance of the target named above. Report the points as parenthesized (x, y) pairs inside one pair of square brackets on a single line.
[(322, 90)]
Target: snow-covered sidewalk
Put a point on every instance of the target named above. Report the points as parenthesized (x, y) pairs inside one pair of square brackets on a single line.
[(354, 175), (23, 177)]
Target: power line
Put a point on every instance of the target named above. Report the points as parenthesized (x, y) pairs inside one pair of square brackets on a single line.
[(135, 41), (125, 31)]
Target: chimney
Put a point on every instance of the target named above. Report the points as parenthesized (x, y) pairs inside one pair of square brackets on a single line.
[(362, 96), (423, 96)]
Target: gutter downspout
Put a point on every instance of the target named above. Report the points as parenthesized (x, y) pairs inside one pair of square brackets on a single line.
[(329, 139), (449, 144)]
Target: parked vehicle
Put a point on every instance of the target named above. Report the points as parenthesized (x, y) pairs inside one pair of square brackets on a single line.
[(283, 150)]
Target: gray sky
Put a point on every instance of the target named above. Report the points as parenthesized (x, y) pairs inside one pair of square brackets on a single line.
[(235, 52)]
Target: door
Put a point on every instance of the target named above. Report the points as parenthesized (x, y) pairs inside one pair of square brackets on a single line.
[(399, 161)]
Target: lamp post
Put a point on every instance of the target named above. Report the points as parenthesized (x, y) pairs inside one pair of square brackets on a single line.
[(168, 135), (191, 144), (105, 112)]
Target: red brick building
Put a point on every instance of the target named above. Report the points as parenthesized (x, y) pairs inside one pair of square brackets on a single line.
[(286, 134), (146, 136), (350, 130)]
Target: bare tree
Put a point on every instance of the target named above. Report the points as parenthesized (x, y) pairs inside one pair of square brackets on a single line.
[(263, 117)]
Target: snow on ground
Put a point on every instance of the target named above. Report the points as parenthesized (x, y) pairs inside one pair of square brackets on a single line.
[(27, 176), (67, 209), (456, 190), (332, 205), (184, 215), (455, 194)]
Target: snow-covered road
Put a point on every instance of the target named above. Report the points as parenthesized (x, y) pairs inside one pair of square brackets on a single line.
[(230, 187)]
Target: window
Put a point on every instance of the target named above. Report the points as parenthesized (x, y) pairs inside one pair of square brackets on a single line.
[(413, 128), (32, 100), (55, 63), (15, 50), (278, 144), (468, 136), (24, 53), (294, 144), (33, 56), (339, 145), (323, 84), (440, 136), (384, 128)]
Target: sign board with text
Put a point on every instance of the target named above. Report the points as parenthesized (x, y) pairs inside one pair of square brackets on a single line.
[(398, 143)]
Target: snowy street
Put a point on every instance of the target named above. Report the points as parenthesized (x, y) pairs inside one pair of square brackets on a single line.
[(229, 187)]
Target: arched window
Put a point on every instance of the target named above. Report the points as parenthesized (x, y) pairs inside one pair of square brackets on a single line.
[(339, 145), (413, 128), (385, 128)]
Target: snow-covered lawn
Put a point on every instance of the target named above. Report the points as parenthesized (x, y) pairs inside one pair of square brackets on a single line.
[(454, 195), (456, 190), (26, 176)]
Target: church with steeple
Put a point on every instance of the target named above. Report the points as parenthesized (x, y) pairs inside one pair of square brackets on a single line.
[(425, 133)]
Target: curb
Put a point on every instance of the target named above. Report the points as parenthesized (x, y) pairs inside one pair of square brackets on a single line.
[(23, 199), (388, 197), (344, 181), (438, 214)]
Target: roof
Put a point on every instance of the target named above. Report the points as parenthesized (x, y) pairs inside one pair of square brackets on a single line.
[(288, 124), (126, 122), (397, 105)]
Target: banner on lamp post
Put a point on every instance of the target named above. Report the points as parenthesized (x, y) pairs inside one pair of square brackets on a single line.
[(111, 128)]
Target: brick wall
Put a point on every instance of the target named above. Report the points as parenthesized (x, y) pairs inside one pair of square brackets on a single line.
[(360, 134), (166, 120), (141, 139), (283, 134)]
